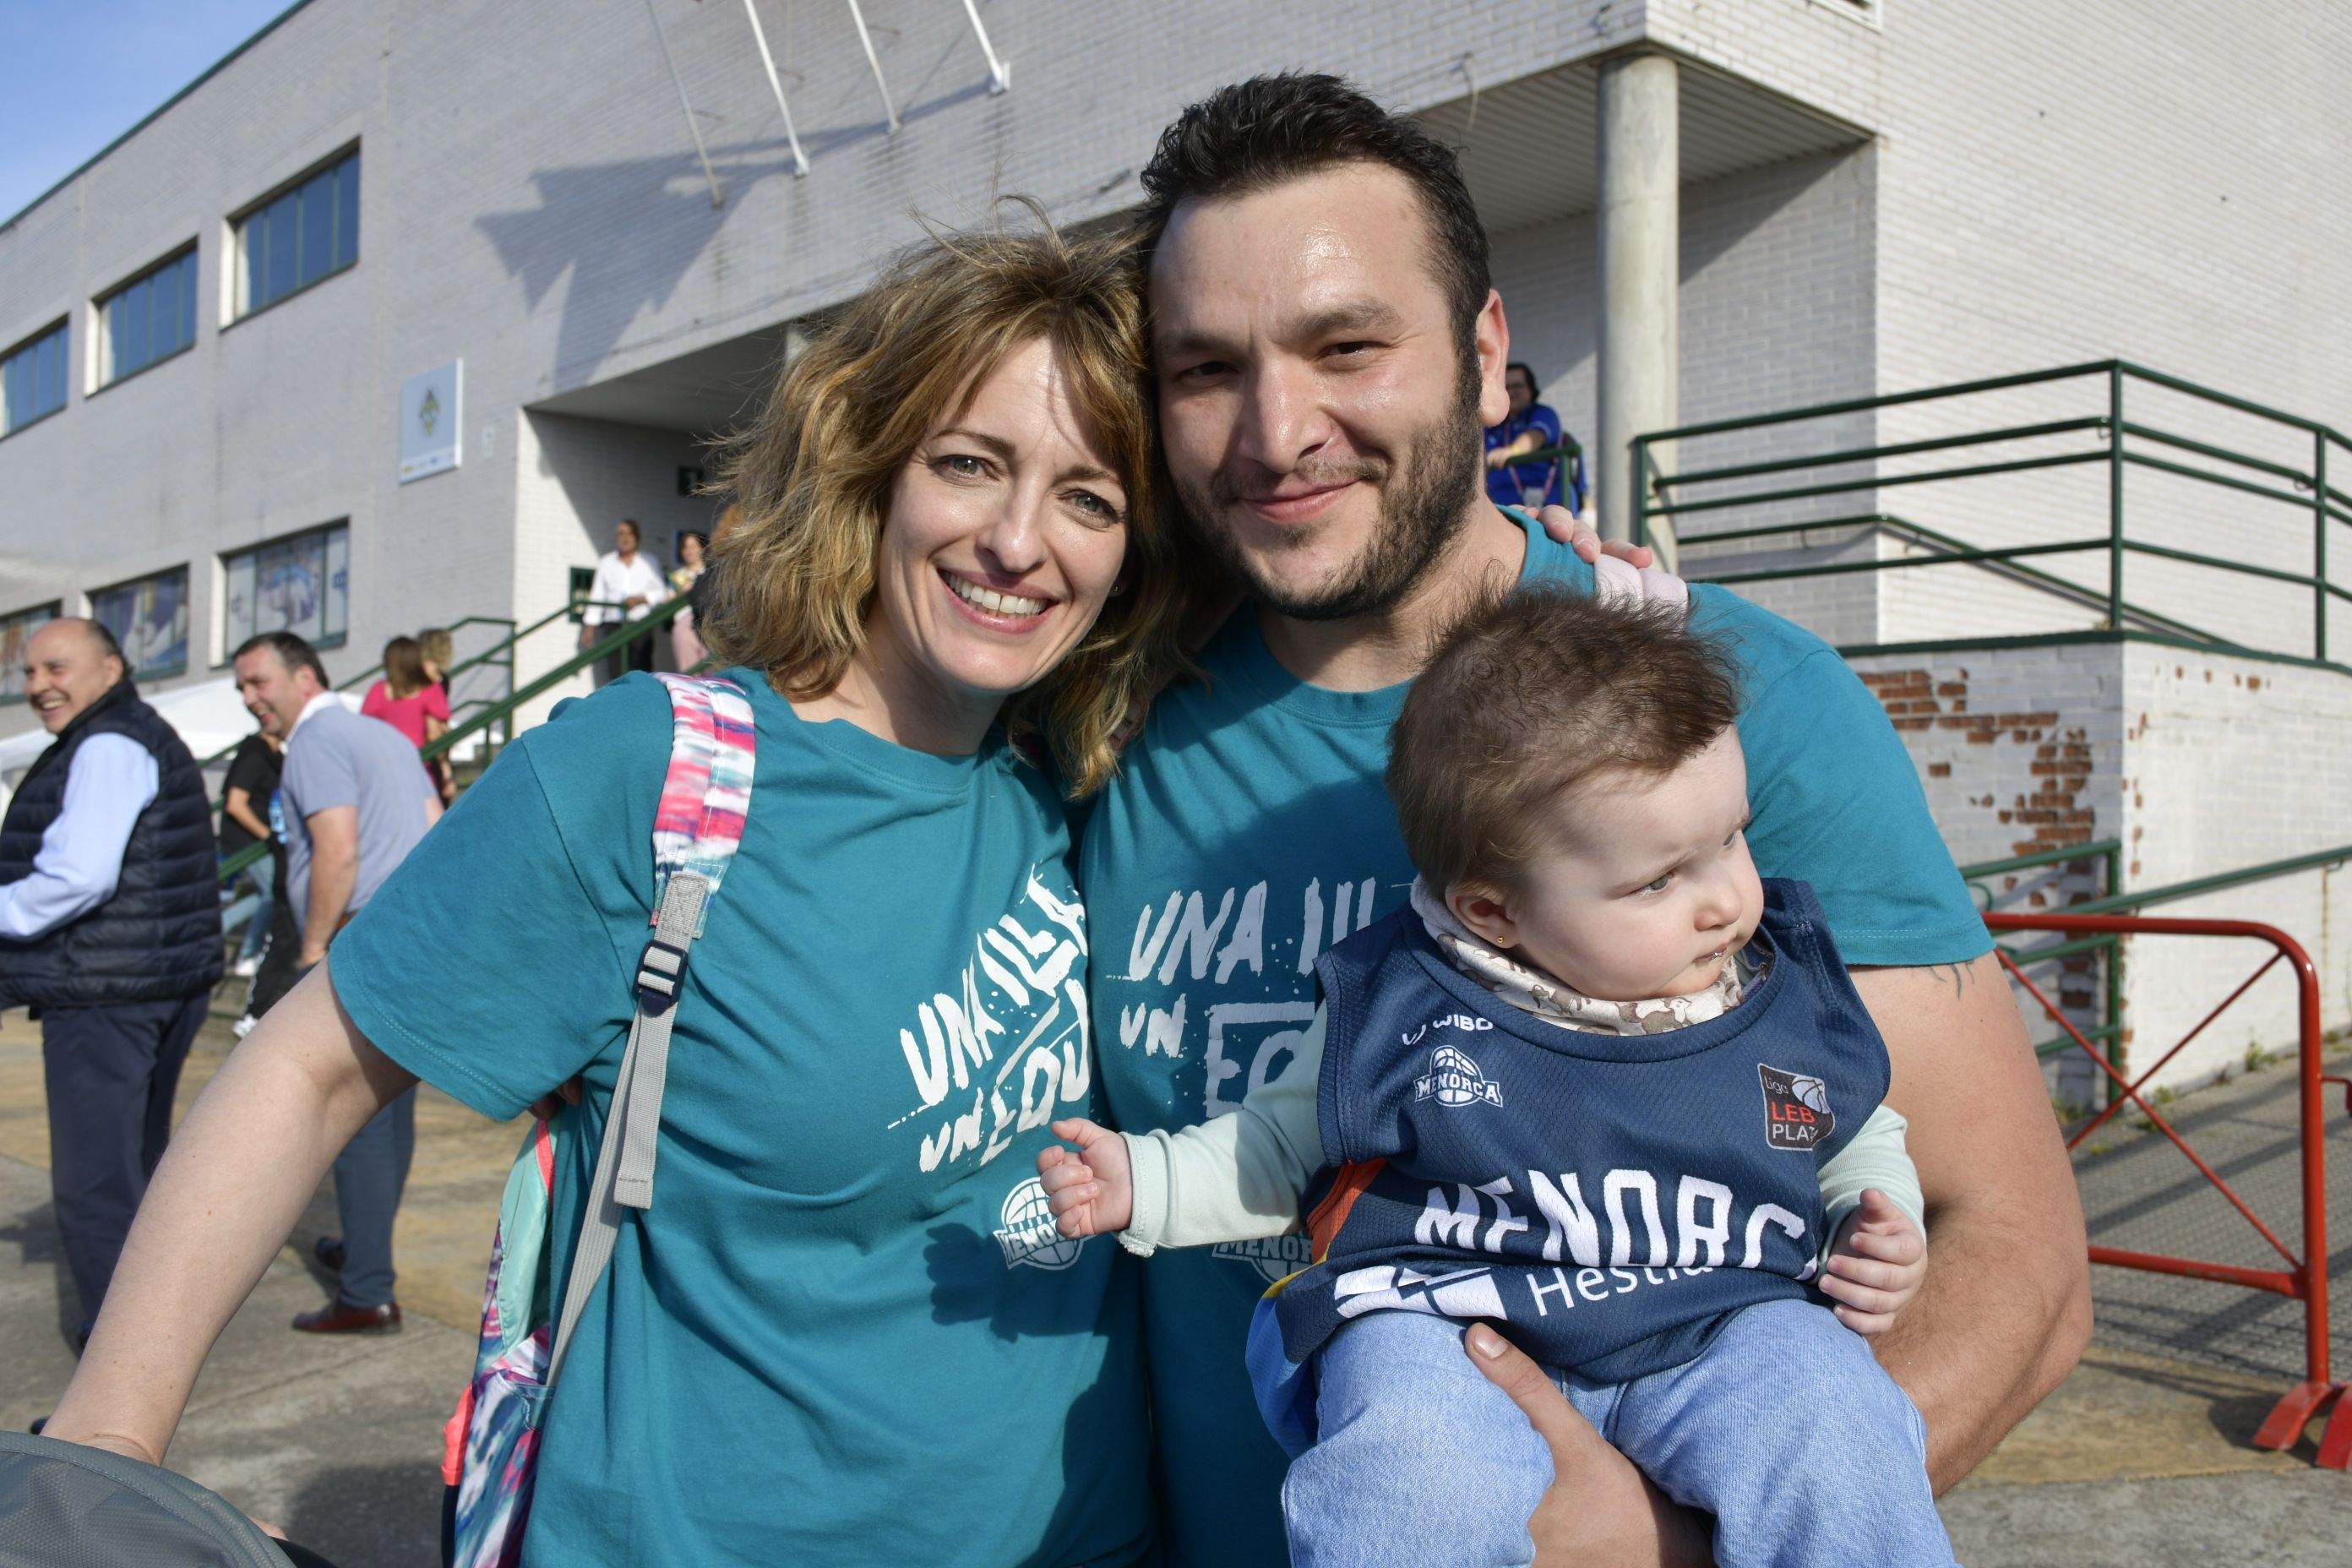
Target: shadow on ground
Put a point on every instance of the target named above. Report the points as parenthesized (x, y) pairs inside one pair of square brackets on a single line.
[(370, 1516)]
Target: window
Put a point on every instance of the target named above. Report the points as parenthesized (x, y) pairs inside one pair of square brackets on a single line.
[(299, 584), (300, 235), (150, 620), (150, 318), (33, 380), (16, 631)]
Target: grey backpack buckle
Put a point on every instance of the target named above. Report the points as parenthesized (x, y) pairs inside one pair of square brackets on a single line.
[(661, 969)]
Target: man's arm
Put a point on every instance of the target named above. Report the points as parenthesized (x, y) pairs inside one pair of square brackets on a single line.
[(80, 862), (2006, 1310), (334, 873), (1526, 442)]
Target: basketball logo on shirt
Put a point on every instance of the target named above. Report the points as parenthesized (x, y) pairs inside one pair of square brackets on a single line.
[(1453, 1079), (1029, 1234), (1796, 1110)]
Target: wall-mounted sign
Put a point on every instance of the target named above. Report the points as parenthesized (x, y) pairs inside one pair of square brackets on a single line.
[(431, 416)]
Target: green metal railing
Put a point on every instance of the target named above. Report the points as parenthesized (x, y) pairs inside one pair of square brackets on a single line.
[(2113, 900), (2121, 443)]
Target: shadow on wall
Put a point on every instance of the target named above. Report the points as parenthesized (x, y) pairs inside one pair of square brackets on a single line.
[(630, 231)]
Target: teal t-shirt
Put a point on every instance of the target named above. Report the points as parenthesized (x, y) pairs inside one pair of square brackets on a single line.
[(1247, 830), (846, 1332)]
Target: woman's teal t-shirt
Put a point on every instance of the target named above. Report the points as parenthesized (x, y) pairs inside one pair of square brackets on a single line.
[(845, 1332)]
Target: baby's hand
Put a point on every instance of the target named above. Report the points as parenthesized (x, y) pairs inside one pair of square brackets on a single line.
[(1090, 1187), (1875, 1266)]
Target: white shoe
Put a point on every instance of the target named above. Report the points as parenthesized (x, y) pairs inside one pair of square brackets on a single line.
[(247, 968), (244, 1026)]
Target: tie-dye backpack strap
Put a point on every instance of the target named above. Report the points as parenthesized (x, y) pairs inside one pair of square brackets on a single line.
[(699, 821), (491, 1446)]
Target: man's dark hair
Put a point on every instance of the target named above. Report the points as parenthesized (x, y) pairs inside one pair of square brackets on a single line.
[(1532, 694), (1272, 129), (1534, 387), (631, 524), (292, 651)]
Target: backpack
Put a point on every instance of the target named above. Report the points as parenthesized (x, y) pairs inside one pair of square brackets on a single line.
[(66, 1506), (491, 1446)]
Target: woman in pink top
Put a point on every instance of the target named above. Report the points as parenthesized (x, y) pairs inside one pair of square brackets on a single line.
[(405, 697)]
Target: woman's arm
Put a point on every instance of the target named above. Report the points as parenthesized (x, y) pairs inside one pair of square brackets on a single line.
[(215, 1216)]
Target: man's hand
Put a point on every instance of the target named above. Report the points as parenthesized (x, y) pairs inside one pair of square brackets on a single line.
[(567, 1092), (1599, 1510), (1621, 572), (587, 637), (1875, 1266), (1092, 1187)]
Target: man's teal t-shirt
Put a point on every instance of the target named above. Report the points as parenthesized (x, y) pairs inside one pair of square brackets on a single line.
[(847, 1331), (1247, 830)]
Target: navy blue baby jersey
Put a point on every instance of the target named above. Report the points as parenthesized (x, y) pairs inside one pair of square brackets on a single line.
[(1607, 1200)]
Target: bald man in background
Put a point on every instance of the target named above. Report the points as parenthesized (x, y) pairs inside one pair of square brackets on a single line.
[(110, 932)]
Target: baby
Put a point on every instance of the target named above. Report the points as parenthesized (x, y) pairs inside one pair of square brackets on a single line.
[(1596, 1085)]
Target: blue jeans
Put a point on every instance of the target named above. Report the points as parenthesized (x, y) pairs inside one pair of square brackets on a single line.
[(253, 908), (370, 1174), (1786, 1430)]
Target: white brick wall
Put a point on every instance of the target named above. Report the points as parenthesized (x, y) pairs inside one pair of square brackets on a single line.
[(2196, 763)]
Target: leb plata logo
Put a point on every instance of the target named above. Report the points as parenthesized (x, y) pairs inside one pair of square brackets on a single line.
[(1795, 1109)]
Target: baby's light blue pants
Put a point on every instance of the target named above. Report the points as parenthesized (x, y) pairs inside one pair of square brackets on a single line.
[(1786, 1430)]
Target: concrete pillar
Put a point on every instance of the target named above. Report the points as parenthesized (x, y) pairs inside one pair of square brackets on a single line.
[(1640, 245)]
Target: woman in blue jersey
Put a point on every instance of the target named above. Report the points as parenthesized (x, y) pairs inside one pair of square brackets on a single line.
[(847, 1332)]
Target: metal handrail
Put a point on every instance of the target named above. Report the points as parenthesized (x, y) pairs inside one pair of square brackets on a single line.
[(1921, 533), (1661, 497), (2115, 901), (631, 631)]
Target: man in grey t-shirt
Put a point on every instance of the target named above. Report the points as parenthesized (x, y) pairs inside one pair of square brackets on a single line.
[(356, 800)]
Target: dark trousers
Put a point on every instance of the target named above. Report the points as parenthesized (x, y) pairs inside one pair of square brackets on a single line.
[(110, 1073), (637, 655), (369, 1176), (281, 967)]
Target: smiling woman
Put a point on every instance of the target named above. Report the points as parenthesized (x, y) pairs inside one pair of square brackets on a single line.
[(983, 398), (846, 1332)]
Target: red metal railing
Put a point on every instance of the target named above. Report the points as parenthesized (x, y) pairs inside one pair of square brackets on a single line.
[(2304, 1279)]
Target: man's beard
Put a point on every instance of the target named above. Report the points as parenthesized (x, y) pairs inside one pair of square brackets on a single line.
[(1422, 509)]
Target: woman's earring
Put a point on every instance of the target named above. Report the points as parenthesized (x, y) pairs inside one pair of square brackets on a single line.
[(1117, 589)]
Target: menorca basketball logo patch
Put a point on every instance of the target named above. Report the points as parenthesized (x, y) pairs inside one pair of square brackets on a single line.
[(1795, 1109), (1029, 1235), (1453, 1079)]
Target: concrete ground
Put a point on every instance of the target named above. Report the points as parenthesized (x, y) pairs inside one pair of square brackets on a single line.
[(2141, 1458)]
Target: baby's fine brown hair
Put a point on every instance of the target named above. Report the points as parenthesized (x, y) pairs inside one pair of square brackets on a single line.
[(1531, 694)]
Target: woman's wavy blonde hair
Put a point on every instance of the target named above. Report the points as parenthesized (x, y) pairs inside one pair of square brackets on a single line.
[(792, 581)]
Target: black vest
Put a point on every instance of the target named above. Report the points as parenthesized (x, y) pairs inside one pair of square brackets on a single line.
[(159, 937)]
